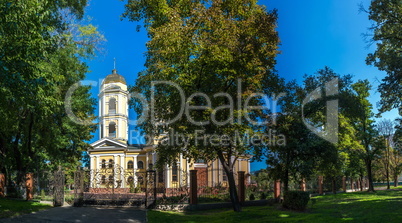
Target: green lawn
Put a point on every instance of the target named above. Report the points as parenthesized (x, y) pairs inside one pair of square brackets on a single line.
[(353, 207), (9, 208)]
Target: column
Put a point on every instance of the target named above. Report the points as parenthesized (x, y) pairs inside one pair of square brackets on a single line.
[(168, 177), (116, 177), (146, 160), (135, 170), (123, 165), (98, 162)]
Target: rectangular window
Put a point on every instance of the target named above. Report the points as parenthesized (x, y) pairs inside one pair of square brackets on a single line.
[(224, 176), (174, 173)]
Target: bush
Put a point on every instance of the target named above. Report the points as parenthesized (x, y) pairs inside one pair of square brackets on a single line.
[(296, 200), (252, 197), (263, 196)]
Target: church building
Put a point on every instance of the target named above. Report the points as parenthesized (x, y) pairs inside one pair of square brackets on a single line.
[(113, 149)]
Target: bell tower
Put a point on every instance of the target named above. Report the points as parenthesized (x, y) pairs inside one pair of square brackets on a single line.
[(113, 108)]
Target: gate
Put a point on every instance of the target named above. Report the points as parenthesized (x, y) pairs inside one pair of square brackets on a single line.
[(49, 186), (58, 188), (112, 185), (150, 193)]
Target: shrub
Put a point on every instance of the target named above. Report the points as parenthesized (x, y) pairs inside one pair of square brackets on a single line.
[(296, 200), (252, 197), (263, 196)]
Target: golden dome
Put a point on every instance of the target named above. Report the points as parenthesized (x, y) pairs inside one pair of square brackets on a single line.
[(114, 77)]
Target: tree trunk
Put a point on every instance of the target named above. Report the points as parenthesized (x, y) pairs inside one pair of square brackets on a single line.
[(333, 185), (286, 180), (228, 168), (395, 180), (234, 198), (369, 176), (387, 176)]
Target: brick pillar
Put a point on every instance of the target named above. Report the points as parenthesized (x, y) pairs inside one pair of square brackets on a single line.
[(242, 186), (303, 185), (320, 186), (277, 190), (29, 184), (344, 184), (193, 187), (2, 185)]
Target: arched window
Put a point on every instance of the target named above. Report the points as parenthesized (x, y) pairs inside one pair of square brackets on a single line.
[(130, 165), (103, 164), (174, 173), (111, 163), (112, 129), (103, 179), (140, 165), (112, 106)]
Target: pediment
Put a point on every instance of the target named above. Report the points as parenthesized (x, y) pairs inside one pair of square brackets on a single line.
[(108, 143)]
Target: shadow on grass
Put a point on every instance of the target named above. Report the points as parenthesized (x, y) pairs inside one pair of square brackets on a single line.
[(356, 207), (14, 207)]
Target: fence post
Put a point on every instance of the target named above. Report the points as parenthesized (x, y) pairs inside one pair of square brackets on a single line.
[(320, 186), (29, 186), (303, 185), (2, 185), (277, 190), (193, 187), (344, 184), (242, 186)]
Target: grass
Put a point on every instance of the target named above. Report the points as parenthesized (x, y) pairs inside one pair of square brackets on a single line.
[(12, 207), (352, 207)]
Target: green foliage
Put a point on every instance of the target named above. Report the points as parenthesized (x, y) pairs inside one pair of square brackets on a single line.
[(386, 33), (296, 200), (42, 46), (207, 47)]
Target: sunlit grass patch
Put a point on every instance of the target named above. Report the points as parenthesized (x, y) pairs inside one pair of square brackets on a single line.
[(12, 207), (344, 207)]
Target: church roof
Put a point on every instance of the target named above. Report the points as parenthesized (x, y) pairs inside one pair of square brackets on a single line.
[(114, 77)]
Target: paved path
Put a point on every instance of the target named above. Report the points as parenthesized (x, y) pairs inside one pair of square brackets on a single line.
[(83, 214)]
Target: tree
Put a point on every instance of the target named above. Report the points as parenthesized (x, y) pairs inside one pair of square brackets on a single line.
[(41, 58), (370, 143), (396, 152), (386, 129), (305, 153), (223, 50), (387, 34)]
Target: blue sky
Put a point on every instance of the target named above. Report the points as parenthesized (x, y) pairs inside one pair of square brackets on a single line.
[(313, 33)]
